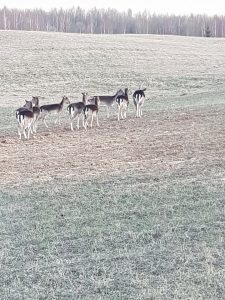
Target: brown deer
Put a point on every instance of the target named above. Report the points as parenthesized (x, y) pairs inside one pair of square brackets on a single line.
[(53, 109), (139, 99), (109, 101), (76, 110), (91, 110), (122, 103), (25, 119)]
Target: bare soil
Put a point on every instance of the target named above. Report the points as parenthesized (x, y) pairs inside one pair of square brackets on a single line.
[(179, 141)]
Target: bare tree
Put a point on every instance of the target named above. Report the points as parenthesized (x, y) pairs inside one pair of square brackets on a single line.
[(110, 21)]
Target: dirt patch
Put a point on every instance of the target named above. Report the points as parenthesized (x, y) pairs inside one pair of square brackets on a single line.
[(168, 142)]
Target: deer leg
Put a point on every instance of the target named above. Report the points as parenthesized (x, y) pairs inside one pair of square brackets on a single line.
[(30, 128), (118, 117), (107, 111), (24, 133), (57, 120), (122, 112), (92, 116), (78, 122), (137, 110), (125, 112), (87, 116), (84, 121), (71, 124), (44, 119), (36, 123), (34, 127), (141, 107), (19, 133), (139, 113), (97, 119), (28, 132)]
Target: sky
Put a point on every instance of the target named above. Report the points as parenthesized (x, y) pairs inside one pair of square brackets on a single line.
[(154, 6)]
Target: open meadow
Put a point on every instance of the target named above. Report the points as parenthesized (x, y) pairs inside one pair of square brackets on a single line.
[(133, 209)]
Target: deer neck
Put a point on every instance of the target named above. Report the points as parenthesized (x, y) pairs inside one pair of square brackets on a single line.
[(61, 104), (84, 100)]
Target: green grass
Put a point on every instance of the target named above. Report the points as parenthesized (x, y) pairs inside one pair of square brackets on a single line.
[(124, 237)]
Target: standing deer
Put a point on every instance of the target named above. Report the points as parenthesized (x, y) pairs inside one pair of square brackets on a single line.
[(139, 99), (76, 110), (36, 112), (27, 106), (91, 110), (109, 101), (53, 109), (122, 103), (25, 119)]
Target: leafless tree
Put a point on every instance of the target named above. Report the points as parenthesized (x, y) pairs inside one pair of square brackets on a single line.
[(110, 21)]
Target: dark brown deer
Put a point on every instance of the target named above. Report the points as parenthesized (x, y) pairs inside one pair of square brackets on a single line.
[(53, 109), (25, 119), (139, 99), (76, 110), (109, 101), (122, 103), (27, 106), (91, 110)]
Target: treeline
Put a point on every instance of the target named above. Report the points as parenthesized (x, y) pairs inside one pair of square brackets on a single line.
[(110, 21)]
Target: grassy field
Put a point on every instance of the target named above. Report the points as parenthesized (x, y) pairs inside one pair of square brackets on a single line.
[(130, 210)]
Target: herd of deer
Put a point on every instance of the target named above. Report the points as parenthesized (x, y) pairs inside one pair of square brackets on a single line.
[(28, 115)]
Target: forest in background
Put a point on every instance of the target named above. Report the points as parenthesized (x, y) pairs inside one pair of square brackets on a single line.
[(110, 21)]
